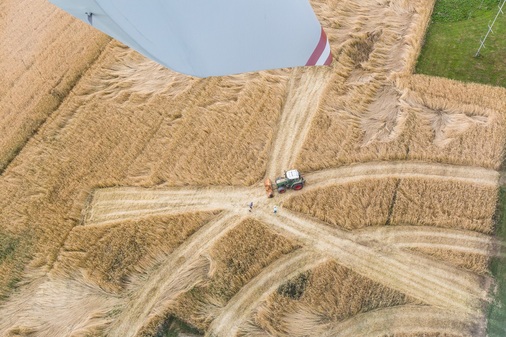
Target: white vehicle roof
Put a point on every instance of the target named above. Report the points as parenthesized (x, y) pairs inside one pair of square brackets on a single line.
[(292, 174), (211, 38)]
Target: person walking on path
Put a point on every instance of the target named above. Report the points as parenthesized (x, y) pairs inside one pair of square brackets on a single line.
[(275, 209), (251, 206)]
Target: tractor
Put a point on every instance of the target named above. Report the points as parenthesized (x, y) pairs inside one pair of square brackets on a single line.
[(292, 179)]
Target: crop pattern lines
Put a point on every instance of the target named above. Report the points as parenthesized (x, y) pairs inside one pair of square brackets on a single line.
[(380, 253), (390, 236)]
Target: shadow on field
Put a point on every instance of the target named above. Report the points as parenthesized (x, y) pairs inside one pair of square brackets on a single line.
[(497, 312)]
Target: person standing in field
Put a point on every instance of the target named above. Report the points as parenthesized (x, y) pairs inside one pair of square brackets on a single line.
[(275, 209)]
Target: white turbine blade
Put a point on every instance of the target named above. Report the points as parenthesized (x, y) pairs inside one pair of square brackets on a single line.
[(211, 37)]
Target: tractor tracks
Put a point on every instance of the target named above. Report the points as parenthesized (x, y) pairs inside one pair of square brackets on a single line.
[(401, 169), (428, 237), (184, 268), (117, 203), (302, 102), (121, 203), (427, 280), (376, 253), (239, 308), (404, 319)]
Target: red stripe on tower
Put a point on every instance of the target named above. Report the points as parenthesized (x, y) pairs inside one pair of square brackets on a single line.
[(328, 61), (317, 53)]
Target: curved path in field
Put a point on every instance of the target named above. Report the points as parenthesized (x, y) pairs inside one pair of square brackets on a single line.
[(182, 270), (427, 237), (406, 319), (429, 281), (239, 308)]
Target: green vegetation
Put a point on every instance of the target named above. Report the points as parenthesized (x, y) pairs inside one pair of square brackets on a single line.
[(15, 252), (173, 327), (295, 287), (9, 256), (453, 39), (7, 247), (497, 311), (459, 10)]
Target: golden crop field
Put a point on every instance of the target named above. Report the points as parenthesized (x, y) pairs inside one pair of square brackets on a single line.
[(125, 187)]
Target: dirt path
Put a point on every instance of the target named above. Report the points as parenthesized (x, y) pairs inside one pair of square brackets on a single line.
[(181, 271), (119, 203), (429, 281), (427, 237), (239, 308), (371, 252), (305, 89), (401, 169), (404, 319)]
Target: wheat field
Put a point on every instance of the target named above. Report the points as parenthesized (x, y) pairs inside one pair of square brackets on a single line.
[(125, 187)]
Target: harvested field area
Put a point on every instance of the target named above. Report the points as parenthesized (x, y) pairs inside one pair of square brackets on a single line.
[(373, 111), (44, 53), (235, 259), (476, 262), (328, 293), (466, 119), (396, 123), (124, 201), (406, 201), (445, 204), (43, 309), (466, 208), (108, 254), (350, 206)]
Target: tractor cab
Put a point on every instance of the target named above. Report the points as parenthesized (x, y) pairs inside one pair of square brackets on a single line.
[(291, 180), (292, 174)]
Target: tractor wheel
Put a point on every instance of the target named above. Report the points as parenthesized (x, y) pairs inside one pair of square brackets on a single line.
[(297, 187), (281, 190)]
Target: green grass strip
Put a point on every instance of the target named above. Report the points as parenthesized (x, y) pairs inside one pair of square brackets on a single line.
[(453, 39), (497, 310)]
